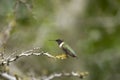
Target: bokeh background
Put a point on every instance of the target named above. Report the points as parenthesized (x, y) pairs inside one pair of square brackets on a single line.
[(90, 27)]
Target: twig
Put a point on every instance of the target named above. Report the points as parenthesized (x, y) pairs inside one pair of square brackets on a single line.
[(29, 7), (8, 76), (52, 76), (6, 34), (25, 54), (72, 74)]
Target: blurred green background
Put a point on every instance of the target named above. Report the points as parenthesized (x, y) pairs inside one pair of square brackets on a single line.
[(90, 27)]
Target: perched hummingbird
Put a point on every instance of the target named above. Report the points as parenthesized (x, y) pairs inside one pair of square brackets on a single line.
[(66, 48)]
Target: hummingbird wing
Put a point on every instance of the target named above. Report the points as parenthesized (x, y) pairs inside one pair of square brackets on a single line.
[(68, 50)]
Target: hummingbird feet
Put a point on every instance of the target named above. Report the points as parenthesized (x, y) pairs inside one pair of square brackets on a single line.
[(62, 56)]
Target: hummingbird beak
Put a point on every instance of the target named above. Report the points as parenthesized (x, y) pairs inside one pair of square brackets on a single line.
[(52, 40)]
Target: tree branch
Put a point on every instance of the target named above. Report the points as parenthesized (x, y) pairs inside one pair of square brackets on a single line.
[(8, 76), (25, 54), (72, 74)]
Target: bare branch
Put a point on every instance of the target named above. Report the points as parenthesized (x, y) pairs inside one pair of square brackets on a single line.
[(71, 74), (6, 34), (8, 76), (29, 7), (25, 54), (52, 76)]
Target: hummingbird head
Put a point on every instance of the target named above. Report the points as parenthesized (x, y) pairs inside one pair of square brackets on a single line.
[(59, 41)]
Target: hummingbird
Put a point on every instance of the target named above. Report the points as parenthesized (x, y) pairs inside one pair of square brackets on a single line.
[(66, 48)]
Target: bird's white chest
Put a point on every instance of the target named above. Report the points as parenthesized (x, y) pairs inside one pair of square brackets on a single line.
[(61, 44)]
